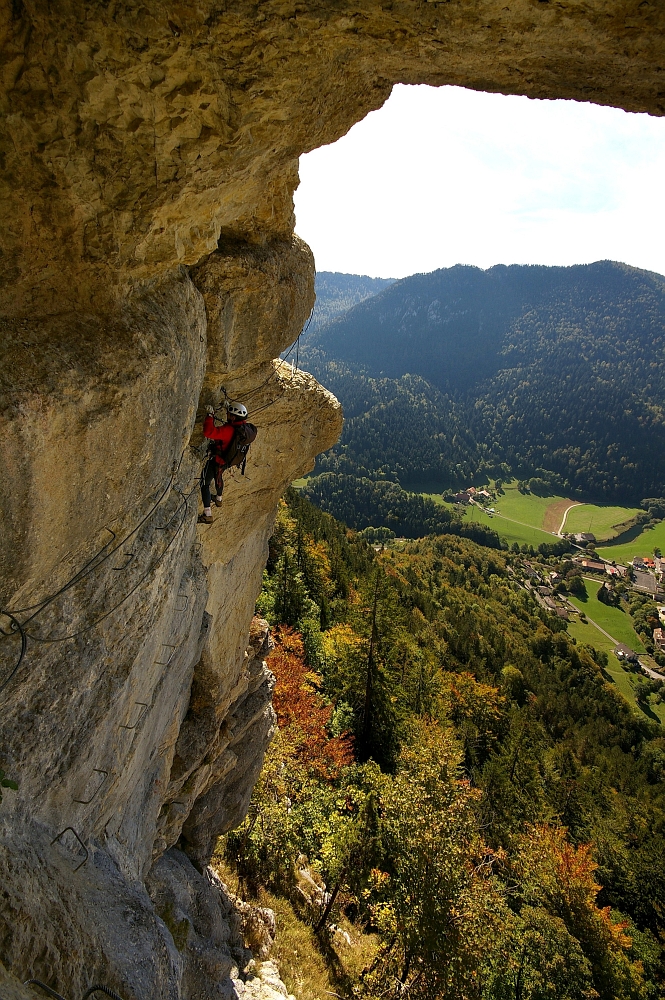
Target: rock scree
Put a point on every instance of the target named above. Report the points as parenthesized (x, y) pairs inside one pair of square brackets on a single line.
[(147, 165)]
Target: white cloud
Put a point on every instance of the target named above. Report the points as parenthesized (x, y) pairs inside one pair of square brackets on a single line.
[(444, 176)]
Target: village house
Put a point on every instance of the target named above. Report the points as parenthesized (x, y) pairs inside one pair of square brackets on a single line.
[(593, 565), (625, 653), (659, 638), (584, 537)]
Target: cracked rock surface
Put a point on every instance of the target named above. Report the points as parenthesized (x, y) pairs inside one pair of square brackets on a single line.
[(148, 158)]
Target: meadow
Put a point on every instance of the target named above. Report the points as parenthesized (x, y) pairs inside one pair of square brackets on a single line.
[(626, 681), (614, 620), (530, 520), (642, 545), (518, 517), (618, 624), (600, 521), (528, 508)]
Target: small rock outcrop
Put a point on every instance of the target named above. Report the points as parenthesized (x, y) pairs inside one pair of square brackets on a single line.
[(148, 267)]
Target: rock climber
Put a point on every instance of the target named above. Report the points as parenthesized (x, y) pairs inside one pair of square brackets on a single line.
[(220, 439)]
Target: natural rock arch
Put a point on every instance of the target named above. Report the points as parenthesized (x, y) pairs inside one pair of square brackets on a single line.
[(147, 162)]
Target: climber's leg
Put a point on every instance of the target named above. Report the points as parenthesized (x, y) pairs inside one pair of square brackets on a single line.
[(219, 486), (207, 477)]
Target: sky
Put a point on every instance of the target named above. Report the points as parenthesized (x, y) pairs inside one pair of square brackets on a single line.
[(443, 176)]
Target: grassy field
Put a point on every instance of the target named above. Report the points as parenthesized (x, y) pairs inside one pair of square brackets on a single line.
[(642, 545), (615, 621), (523, 518), (600, 521), (519, 517), (511, 530), (625, 680), (526, 507)]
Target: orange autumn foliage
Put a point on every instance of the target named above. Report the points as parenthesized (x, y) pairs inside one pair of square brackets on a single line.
[(301, 712), (565, 874)]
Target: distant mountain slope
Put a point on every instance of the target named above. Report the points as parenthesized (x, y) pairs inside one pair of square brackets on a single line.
[(337, 292), (547, 369)]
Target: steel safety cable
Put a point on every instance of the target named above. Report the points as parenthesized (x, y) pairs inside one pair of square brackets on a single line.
[(252, 392), (294, 346), (107, 614), (89, 568), (18, 627)]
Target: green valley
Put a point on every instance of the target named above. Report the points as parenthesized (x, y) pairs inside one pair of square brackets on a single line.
[(645, 540), (446, 748), (553, 376), (615, 621)]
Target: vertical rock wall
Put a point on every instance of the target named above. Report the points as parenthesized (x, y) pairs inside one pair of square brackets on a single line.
[(148, 158), (136, 702)]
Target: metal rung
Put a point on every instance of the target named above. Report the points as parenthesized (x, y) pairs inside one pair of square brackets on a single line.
[(144, 709), (163, 662), (43, 986), (101, 989), (96, 770), (119, 569), (181, 598), (71, 829)]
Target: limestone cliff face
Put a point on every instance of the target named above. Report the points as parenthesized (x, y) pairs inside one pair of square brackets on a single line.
[(137, 714), (148, 157)]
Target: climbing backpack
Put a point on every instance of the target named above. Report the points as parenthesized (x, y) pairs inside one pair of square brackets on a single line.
[(235, 454)]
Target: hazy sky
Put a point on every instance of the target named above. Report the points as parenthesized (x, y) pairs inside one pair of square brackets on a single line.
[(448, 176)]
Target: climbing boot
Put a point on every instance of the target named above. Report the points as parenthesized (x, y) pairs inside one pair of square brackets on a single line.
[(217, 501), (205, 519)]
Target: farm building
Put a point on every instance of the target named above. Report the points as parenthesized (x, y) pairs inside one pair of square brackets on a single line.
[(625, 653)]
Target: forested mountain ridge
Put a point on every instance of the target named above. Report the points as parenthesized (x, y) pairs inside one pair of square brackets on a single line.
[(336, 293), (560, 369)]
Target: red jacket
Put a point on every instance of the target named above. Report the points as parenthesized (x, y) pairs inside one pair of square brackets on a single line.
[(223, 434)]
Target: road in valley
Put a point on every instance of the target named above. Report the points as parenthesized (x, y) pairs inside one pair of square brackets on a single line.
[(565, 515)]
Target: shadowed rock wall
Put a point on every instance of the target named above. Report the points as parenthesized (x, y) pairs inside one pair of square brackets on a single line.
[(148, 157)]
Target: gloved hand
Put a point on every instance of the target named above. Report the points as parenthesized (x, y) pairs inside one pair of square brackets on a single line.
[(210, 410)]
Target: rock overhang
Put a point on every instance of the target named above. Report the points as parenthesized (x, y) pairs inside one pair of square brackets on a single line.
[(147, 166)]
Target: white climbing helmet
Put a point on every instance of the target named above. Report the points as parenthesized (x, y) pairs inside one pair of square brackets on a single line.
[(236, 410)]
